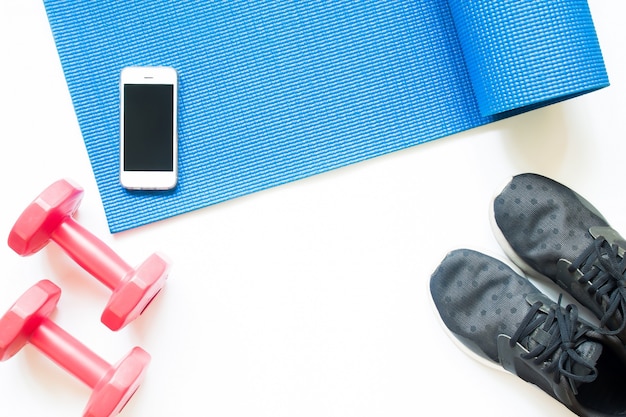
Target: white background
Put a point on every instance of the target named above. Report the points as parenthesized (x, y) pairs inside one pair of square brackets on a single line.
[(309, 299)]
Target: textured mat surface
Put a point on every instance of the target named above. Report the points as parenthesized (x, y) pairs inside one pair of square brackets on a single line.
[(271, 92)]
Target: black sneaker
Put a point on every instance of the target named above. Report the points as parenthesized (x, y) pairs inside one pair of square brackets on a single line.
[(502, 318), (550, 231)]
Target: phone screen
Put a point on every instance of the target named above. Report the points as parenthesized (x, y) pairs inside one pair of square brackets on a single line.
[(148, 127)]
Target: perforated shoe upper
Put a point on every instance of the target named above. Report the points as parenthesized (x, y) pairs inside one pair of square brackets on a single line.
[(501, 317), (549, 230)]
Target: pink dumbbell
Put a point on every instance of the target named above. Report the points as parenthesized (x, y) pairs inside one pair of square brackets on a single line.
[(27, 322), (50, 217)]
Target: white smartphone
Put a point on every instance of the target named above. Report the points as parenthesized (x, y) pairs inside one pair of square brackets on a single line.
[(148, 128)]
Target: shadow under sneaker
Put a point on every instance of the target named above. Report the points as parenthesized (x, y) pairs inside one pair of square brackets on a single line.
[(549, 230), (501, 318)]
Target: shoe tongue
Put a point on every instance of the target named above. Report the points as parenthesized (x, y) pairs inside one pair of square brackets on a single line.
[(590, 351)]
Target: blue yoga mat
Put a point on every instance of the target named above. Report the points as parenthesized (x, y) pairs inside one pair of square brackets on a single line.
[(272, 92)]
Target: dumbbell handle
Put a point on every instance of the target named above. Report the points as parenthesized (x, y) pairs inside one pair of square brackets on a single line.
[(90, 253), (69, 353)]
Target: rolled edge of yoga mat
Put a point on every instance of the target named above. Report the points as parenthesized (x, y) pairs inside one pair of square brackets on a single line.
[(522, 55)]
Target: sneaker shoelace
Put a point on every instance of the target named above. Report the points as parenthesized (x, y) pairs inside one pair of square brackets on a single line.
[(562, 333), (603, 269)]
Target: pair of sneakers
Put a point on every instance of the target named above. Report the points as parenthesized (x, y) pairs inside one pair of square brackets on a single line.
[(499, 316)]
